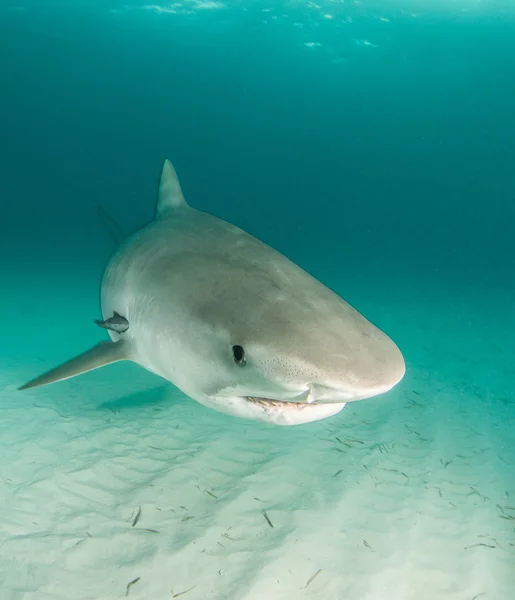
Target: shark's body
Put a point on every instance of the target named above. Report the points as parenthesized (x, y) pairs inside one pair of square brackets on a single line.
[(200, 294)]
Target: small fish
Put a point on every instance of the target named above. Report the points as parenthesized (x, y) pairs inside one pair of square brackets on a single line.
[(414, 403), (130, 584), (182, 593), (267, 518), (136, 518), (115, 323), (311, 579)]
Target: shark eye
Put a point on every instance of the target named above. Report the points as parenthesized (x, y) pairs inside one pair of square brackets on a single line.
[(239, 355)]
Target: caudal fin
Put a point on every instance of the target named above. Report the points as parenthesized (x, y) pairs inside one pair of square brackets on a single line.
[(100, 355), (114, 230)]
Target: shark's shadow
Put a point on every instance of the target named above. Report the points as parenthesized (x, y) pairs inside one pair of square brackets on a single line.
[(149, 397)]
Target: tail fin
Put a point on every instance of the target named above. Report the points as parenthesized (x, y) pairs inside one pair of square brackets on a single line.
[(114, 230)]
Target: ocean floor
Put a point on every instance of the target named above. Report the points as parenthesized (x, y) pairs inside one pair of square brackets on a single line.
[(113, 484)]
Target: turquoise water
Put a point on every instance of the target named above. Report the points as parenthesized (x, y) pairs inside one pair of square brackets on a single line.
[(373, 144)]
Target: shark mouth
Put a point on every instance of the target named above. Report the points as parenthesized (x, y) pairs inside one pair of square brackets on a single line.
[(277, 412), (267, 403)]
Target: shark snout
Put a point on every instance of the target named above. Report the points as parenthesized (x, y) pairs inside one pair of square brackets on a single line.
[(325, 394), (371, 379)]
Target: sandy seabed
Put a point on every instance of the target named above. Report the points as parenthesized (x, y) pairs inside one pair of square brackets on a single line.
[(115, 485)]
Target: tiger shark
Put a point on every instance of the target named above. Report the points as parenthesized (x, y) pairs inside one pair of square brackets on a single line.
[(231, 322)]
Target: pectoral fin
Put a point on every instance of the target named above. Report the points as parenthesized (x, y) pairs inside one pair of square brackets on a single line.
[(100, 355)]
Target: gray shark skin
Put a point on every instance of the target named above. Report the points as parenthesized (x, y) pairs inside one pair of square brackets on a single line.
[(233, 323)]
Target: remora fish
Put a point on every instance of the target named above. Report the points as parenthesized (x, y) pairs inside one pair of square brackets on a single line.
[(233, 323), (115, 323)]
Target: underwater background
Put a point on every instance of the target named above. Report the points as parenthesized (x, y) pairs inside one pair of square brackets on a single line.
[(370, 142)]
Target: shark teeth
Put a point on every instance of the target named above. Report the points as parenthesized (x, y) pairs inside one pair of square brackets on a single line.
[(268, 403)]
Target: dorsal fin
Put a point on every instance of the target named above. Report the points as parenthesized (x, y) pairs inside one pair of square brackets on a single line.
[(170, 193)]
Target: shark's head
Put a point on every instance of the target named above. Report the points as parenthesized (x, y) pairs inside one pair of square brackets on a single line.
[(295, 353)]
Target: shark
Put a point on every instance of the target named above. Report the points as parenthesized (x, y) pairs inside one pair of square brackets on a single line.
[(231, 322)]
